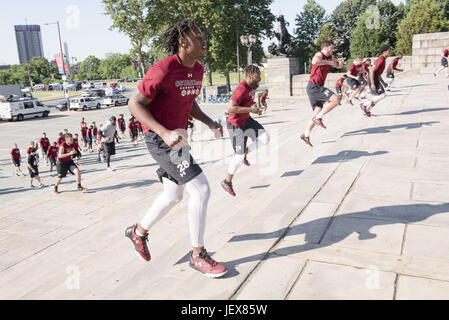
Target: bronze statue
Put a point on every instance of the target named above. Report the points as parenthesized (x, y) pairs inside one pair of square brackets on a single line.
[(285, 43)]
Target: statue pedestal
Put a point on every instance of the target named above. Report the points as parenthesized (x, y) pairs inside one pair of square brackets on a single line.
[(279, 72)]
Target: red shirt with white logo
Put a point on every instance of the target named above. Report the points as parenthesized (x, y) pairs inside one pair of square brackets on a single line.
[(29, 149), (15, 153), (52, 152), (44, 142), (120, 122), (243, 96), (355, 70), (67, 148), (446, 53), (393, 64), (172, 88), (133, 126), (380, 63), (318, 74), (60, 141), (340, 82)]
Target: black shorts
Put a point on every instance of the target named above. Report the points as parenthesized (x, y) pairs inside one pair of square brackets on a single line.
[(444, 62), (318, 95), (239, 135), (76, 155), (16, 162), (85, 139), (177, 166), (264, 102), (109, 148), (33, 174), (64, 166), (353, 83), (379, 87), (44, 150), (390, 74), (338, 89), (190, 125), (134, 134), (122, 128), (362, 80), (53, 161)]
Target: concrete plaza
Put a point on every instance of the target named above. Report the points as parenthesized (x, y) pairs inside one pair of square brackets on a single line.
[(362, 215)]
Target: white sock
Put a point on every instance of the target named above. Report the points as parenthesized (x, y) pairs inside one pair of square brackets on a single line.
[(368, 109), (319, 115), (235, 163), (307, 133)]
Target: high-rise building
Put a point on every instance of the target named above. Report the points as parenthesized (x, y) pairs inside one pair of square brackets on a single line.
[(29, 42)]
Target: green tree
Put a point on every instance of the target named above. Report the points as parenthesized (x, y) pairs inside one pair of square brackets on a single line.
[(5, 77), (425, 16), (93, 68), (344, 18), (365, 40), (308, 26), (139, 20), (112, 67), (41, 69)]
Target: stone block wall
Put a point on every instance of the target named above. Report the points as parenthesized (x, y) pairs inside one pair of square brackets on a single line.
[(427, 49)]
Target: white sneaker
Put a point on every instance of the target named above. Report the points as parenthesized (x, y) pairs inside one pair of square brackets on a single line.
[(110, 169)]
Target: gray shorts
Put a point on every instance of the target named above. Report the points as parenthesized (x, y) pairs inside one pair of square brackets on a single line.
[(318, 95), (177, 166), (239, 135), (379, 87), (444, 62)]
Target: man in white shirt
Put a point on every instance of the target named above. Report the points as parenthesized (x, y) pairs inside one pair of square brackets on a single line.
[(107, 132)]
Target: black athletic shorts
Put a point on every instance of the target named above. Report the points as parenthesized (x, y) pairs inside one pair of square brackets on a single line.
[(53, 161), (190, 125), (44, 150), (444, 62), (362, 80), (338, 89), (379, 87), (353, 83), (64, 166), (122, 128), (109, 147), (175, 165), (16, 162), (264, 102), (33, 174), (134, 134), (318, 95), (85, 139), (390, 74), (239, 135)]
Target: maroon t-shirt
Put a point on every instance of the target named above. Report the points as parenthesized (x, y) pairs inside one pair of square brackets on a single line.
[(15, 153), (120, 122), (243, 96), (446, 53), (29, 149), (172, 89), (60, 141), (94, 131), (393, 64), (52, 152), (45, 143), (340, 82), (84, 131), (355, 70), (318, 74), (380, 63), (67, 148), (133, 126), (264, 96)]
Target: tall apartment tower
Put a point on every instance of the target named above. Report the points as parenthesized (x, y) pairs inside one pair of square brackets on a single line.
[(29, 42)]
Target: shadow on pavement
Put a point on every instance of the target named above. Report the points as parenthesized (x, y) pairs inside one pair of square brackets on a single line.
[(361, 224), (386, 129), (346, 155), (414, 112)]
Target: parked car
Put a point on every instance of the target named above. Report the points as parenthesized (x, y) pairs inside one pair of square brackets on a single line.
[(85, 103), (115, 100), (19, 109), (62, 105)]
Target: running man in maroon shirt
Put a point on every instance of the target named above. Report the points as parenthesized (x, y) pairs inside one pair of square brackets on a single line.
[(52, 153), (444, 62), (133, 131), (355, 79), (162, 103), (322, 99), (44, 143), (242, 126), (392, 67), (339, 85), (15, 160), (263, 100), (375, 81)]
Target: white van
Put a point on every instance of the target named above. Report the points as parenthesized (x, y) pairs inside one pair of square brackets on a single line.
[(19, 109)]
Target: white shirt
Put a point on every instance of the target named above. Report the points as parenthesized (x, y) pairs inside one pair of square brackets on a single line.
[(108, 130)]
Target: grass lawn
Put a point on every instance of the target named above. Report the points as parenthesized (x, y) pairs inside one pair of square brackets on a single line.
[(53, 95)]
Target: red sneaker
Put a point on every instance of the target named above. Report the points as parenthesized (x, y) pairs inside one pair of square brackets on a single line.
[(206, 265), (306, 139), (140, 243), (350, 102), (56, 191), (228, 187), (319, 122), (246, 162), (82, 189), (366, 113)]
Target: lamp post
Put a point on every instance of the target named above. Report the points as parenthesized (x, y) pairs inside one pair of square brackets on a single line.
[(61, 54), (249, 41)]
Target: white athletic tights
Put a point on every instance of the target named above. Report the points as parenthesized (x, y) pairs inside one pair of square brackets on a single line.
[(236, 162), (199, 192)]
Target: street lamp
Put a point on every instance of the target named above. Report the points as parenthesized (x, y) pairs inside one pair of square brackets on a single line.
[(249, 41)]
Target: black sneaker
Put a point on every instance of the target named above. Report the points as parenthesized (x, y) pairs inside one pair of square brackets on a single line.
[(228, 187)]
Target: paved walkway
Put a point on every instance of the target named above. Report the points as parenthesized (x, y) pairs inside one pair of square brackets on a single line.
[(362, 215)]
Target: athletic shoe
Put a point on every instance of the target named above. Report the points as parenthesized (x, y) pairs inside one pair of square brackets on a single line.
[(206, 265), (110, 169), (228, 187), (319, 122), (42, 185), (17, 174), (306, 139), (32, 187), (363, 107), (82, 189), (350, 102), (140, 243), (246, 162)]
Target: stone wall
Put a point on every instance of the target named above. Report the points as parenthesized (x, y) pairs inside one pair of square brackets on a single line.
[(279, 73), (427, 49)]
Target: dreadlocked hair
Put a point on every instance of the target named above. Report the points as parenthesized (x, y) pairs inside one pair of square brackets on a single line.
[(176, 31), (251, 69)]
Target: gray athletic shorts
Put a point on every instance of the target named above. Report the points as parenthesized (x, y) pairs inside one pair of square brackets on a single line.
[(318, 95), (379, 87), (444, 62), (239, 135), (177, 166), (390, 74)]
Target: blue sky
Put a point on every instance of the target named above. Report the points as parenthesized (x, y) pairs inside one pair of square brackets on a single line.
[(86, 29)]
